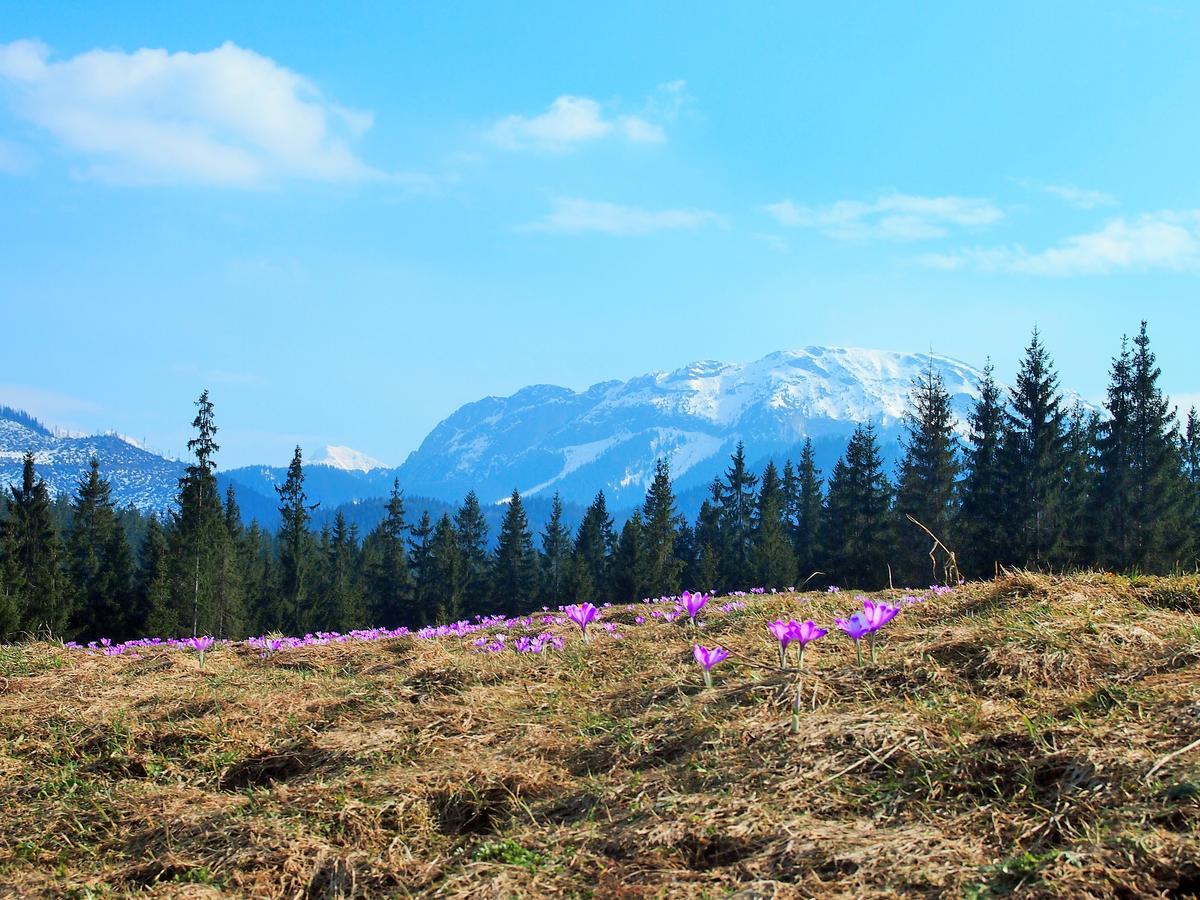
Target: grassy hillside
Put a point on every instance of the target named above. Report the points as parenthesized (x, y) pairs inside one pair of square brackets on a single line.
[(1001, 744)]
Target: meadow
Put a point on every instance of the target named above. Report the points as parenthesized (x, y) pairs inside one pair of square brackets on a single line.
[(1028, 736)]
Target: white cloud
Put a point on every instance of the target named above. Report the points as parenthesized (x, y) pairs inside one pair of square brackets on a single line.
[(1167, 240), (1080, 198), (575, 216), (226, 116), (572, 121), (897, 217)]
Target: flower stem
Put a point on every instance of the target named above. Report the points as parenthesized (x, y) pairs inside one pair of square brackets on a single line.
[(858, 651), (707, 678), (800, 657), (871, 642)]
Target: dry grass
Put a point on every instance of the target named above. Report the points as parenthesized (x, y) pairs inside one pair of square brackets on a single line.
[(1000, 747)]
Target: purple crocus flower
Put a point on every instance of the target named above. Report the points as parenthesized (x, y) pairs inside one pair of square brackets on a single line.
[(857, 628), (200, 645), (804, 633), (582, 614), (877, 615), (783, 633), (709, 658), (693, 603)]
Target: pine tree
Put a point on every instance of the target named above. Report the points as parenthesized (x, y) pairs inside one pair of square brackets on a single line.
[(929, 470), (858, 525), (472, 530), (664, 570), (425, 587), (981, 535), (630, 562), (343, 603), (705, 574), (264, 612), (447, 572), (807, 509), (1033, 459), (1191, 455), (34, 553), (156, 614), (98, 566), (389, 592), (737, 502), (198, 530), (295, 550), (1080, 495), (773, 553), (555, 558), (230, 601), (594, 547), (514, 567)]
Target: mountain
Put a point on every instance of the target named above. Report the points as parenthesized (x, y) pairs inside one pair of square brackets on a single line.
[(545, 438)]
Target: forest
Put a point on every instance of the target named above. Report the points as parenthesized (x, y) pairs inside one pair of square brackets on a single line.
[(1034, 484)]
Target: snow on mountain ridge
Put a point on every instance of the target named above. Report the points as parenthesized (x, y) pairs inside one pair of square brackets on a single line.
[(348, 459)]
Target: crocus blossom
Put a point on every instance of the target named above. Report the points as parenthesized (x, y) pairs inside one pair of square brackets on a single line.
[(708, 658), (200, 645), (856, 628), (804, 633), (783, 633), (693, 603), (582, 614)]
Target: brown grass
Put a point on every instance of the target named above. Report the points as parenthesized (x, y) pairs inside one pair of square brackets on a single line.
[(999, 747)]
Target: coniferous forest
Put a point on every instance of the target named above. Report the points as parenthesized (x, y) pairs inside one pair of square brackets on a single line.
[(1034, 483)]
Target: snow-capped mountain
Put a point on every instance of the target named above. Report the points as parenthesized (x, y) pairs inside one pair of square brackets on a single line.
[(348, 460), (545, 438), (138, 476)]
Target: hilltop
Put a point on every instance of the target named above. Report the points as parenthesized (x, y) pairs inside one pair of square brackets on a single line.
[(1013, 737)]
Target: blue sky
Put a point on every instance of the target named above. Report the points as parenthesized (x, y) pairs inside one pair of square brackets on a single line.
[(346, 224)]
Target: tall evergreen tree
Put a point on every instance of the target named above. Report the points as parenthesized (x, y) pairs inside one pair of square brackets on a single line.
[(197, 534), (808, 507), (593, 551), (858, 528), (425, 586), (156, 614), (555, 558), (773, 554), (1191, 456), (1080, 494), (230, 601), (472, 530), (663, 569), (631, 562), (737, 503), (1033, 458), (447, 571), (708, 539), (980, 533), (928, 473), (296, 551), (343, 602), (99, 567), (514, 567), (34, 553), (389, 591)]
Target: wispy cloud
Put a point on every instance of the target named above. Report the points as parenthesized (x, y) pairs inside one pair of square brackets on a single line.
[(1080, 198), (571, 121), (1165, 240), (896, 217), (571, 215), (227, 116), (54, 407)]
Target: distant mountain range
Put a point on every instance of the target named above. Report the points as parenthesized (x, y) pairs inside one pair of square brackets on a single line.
[(545, 439)]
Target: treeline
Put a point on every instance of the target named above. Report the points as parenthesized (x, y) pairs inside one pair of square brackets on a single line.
[(1034, 484)]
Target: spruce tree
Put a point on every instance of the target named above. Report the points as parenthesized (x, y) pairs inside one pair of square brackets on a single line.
[(389, 591), (664, 570), (1033, 458), (980, 532), (1080, 495), (447, 571), (773, 554), (425, 587), (705, 574), (858, 526), (230, 601), (157, 615), (631, 562), (593, 551), (98, 565), (514, 567), (296, 550), (737, 503), (808, 507), (34, 553), (1191, 455), (344, 604), (928, 473), (555, 558), (197, 534), (472, 530)]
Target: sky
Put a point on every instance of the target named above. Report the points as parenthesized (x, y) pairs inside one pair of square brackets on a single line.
[(346, 222)]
